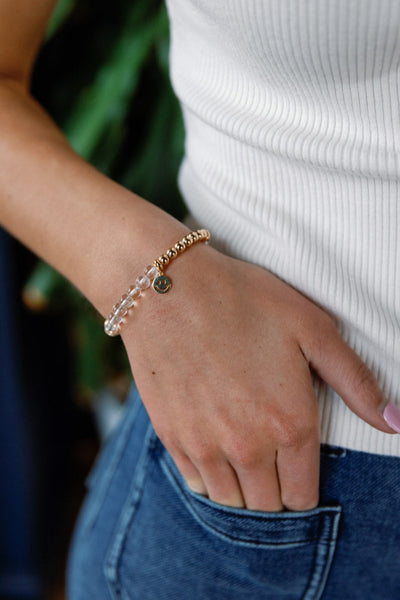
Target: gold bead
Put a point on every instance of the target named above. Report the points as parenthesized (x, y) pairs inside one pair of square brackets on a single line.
[(180, 246), (171, 253), (158, 265), (194, 235), (205, 235), (164, 260), (187, 240)]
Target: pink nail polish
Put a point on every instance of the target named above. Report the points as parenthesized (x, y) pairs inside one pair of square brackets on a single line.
[(391, 414)]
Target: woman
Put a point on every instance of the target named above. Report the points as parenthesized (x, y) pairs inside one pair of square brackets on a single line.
[(280, 335)]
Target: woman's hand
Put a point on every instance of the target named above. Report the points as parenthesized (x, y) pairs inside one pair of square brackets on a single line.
[(223, 360), (222, 363)]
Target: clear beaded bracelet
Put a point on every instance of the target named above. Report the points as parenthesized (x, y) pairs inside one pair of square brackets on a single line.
[(152, 275)]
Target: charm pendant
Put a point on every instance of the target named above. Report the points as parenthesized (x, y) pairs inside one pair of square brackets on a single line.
[(162, 284)]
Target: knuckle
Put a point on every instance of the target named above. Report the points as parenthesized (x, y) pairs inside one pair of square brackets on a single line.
[(363, 380), (319, 321), (320, 329), (245, 461), (202, 454), (295, 424), (327, 323), (296, 433), (323, 323), (291, 437), (243, 453)]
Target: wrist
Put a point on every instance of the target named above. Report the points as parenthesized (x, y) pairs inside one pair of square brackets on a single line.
[(134, 244), (156, 302), (153, 276)]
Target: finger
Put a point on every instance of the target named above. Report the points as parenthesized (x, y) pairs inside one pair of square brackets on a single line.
[(260, 485), (298, 472), (338, 365), (222, 483), (190, 473)]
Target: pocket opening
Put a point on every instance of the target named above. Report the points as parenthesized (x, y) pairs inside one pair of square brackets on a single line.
[(293, 528)]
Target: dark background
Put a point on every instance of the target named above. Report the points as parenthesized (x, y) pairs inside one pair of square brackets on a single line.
[(102, 73)]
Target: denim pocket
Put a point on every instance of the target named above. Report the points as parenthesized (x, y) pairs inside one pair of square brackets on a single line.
[(173, 544)]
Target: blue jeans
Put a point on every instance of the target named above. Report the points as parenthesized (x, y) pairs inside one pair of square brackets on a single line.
[(143, 535)]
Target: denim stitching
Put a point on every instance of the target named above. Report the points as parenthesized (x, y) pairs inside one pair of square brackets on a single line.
[(165, 458), (324, 557), (329, 512), (105, 476), (114, 551)]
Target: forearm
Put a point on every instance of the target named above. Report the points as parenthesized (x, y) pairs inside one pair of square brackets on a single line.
[(91, 229)]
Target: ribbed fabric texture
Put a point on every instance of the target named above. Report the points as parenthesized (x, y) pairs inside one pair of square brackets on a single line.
[(292, 161)]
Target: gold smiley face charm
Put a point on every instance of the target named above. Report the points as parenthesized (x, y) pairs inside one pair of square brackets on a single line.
[(162, 284)]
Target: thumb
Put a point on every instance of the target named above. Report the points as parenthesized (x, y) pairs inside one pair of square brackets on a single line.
[(338, 365)]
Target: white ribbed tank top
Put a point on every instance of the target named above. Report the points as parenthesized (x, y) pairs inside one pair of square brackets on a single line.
[(292, 113)]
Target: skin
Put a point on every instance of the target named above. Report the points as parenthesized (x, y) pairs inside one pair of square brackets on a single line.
[(223, 361)]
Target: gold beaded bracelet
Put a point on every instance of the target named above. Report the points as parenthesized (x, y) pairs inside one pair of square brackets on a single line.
[(153, 275)]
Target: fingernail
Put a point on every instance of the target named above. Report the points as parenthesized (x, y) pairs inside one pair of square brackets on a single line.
[(391, 414)]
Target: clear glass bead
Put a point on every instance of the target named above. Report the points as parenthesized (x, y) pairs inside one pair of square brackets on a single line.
[(134, 292), (112, 327), (116, 307), (128, 302), (151, 271), (142, 282), (121, 312)]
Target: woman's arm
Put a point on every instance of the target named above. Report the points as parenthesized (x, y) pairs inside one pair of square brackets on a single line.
[(223, 360), (88, 227)]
